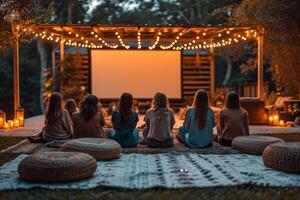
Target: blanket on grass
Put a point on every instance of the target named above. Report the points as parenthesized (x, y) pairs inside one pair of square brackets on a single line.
[(169, 170)]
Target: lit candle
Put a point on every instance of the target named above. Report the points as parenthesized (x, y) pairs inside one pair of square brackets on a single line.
[(10, 123), (276, 118), (5, 125), (21, 121), (281, 123), (1, 122), (271, 120), (16, 123)]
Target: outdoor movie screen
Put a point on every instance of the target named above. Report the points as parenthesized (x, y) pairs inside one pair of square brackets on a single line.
[(140, 72)]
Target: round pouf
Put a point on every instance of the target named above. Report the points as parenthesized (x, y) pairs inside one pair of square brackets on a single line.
[(283, 156), (57, 167), (253, 144), (99, 148)]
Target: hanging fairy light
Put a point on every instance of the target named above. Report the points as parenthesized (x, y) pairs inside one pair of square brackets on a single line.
[(156, 41), (172, 43), (121, 40), (139, 39), (93, 40)]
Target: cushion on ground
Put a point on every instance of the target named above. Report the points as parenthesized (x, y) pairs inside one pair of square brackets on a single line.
[(57, 167), (253, 144), (99, 148), (283, 156)]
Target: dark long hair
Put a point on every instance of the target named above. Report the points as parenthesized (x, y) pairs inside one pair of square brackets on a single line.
[(71, 106), (125, 107), (55, 110), (201, 106), (233, 100), (89, 107)]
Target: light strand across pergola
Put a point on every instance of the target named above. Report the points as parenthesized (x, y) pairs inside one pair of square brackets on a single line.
[(141, 37), (176, 38)]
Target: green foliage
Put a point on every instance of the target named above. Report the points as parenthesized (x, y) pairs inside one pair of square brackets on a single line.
[(280, 20), (14, 12)]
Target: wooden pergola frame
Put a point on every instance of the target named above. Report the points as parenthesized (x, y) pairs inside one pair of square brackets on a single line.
[(170, 37)]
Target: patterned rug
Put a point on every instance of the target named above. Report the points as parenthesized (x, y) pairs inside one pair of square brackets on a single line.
[(169, 170), (28, 148)]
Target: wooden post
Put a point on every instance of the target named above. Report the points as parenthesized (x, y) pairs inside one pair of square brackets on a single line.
[(260, 70), (62, 57), (53, 68), (212, 75), (16, 72)]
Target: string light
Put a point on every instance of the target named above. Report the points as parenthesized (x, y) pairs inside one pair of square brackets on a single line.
[(225, 39), (139, 39), (173, 43), (156, 41), (121, 40)]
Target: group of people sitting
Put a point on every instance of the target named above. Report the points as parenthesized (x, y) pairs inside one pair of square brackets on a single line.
[(65, 122)]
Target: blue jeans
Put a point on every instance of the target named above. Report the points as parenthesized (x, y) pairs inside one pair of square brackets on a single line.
[(129, 140), (181, 134)]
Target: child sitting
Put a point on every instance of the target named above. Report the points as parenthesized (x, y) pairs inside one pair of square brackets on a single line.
[(159, 122), (124, 123)]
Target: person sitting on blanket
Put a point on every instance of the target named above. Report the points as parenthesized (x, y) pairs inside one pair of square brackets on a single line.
[(124, 123), (71, 106), (89, 122), (159, 122), (58, 123), (197, 129), (233, 120)]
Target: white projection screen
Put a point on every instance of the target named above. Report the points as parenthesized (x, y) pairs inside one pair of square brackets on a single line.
[(140, 72)]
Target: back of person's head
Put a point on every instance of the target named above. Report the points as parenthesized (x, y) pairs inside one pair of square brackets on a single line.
[(160, 104), (55, 110), (232, 100), (201, 106), (71, 106), (89, 107), (160, 100), (125, 107)]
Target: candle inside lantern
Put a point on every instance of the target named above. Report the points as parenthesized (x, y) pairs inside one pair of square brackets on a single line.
[(20, 116), (21, 121), (276, 119), (2, 119), (10, 123), (271, 120), (1, 122), (281, 123), (5, 125), (16, 123)]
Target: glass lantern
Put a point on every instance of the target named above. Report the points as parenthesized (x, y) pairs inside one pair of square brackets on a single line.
[(2, 119), (271, 118), (20, 116)]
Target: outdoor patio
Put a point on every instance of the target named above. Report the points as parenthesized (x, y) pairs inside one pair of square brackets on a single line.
[(139, 99)]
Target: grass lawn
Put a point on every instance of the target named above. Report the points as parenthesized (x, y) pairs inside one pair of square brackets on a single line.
[(237, 192)]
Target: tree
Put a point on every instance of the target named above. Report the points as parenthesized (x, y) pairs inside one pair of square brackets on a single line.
[(280, 20), (65, 12), (14, 12)]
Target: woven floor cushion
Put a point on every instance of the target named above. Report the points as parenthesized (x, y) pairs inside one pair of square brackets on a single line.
[(99, 148), (253, 144), (283, 156), (57, 167)]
